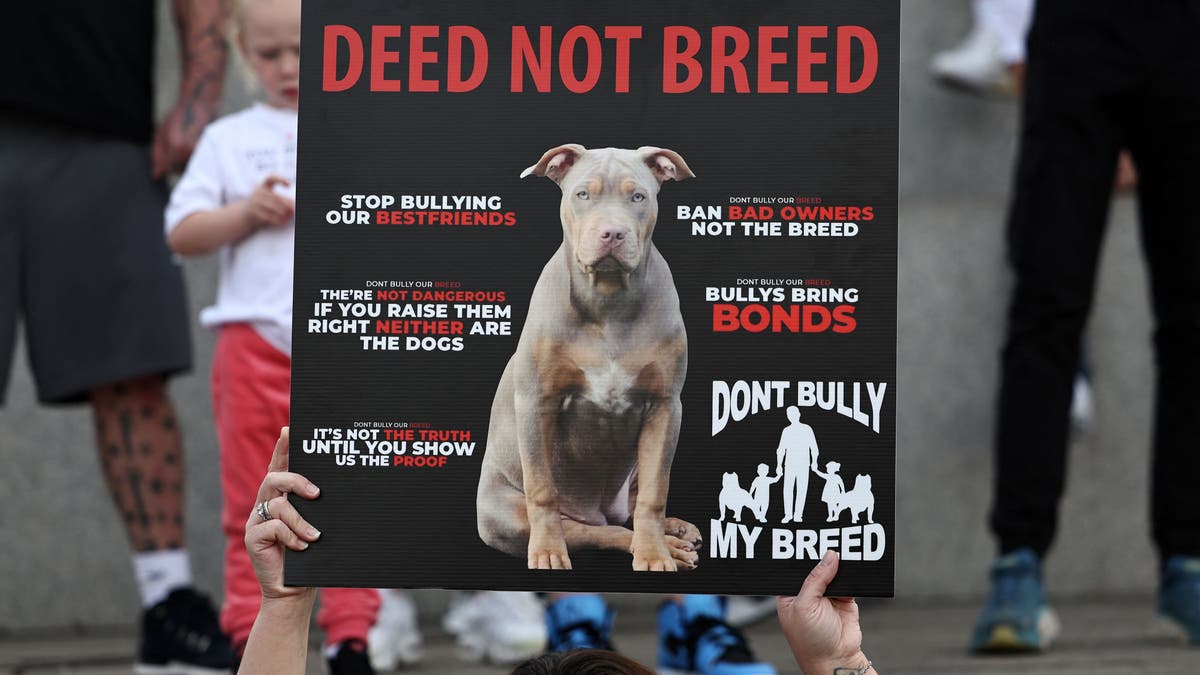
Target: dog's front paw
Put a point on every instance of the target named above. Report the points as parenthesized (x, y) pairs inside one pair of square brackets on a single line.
[(650, 554), (686, 556), (683, 530), (547, 554)]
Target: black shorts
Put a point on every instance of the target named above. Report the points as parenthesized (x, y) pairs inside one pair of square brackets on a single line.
[(83, 262)]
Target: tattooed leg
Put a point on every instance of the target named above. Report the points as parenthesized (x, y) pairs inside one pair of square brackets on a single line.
[(140, 452)]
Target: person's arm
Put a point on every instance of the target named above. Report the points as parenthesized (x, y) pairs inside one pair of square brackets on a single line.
[(203, 49), (824, 633), (278, 642), (205, 231)]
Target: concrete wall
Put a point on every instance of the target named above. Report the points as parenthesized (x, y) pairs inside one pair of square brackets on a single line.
[(65, 560)]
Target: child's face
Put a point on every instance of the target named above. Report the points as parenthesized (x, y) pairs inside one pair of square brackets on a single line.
[(270, 43)]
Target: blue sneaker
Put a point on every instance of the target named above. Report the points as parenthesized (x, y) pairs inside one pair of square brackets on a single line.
[(1015, 617), (694, 638), (579, 622), (1179, 595)]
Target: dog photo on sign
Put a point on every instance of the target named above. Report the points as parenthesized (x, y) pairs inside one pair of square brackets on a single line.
[(586, 415)]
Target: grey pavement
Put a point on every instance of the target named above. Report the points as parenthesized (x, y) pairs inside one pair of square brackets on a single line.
[(1112, 637)]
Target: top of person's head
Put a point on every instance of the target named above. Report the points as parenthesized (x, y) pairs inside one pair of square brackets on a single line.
[(582, 662), (237, 15)]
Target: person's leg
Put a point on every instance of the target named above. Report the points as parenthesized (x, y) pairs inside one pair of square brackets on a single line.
[(789, 491), (801, 493), (141, 456), (250, 381), (1166, 146), (1071, 133), (347, 613), (106, 321), (1073, 125)]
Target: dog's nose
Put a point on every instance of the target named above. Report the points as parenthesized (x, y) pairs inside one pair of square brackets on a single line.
[(612, 235)]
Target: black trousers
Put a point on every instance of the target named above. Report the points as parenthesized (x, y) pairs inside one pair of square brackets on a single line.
[(1102, 75)]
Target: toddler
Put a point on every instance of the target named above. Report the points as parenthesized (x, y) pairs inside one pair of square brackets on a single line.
[(834, 489), (236, 198), (760, 492)]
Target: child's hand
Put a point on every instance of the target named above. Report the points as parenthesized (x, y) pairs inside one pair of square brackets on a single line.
[(267, 208)]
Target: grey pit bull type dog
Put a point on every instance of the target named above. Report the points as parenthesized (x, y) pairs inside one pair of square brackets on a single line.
[(586, 415)]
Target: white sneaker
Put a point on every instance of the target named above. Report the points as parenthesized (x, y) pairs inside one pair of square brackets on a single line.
[(502, 627), (456, 618), (976, 65), (745, 610), (394, 640)]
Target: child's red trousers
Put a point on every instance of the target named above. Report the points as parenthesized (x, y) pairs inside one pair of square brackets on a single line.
[(251, 387)]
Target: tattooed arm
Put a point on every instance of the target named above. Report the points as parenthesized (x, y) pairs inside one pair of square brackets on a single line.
[(823, 632), (202, 49)]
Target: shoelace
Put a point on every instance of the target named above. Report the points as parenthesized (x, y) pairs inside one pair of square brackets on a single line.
[(734, 647)]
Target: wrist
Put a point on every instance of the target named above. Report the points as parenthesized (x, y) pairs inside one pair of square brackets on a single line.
[(293, 605), (246, 223), (851, 665)]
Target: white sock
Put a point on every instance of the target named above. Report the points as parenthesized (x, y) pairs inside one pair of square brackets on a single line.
[(160, 572)]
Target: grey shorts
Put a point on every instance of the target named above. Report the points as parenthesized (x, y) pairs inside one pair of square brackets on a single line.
[(83, 262)]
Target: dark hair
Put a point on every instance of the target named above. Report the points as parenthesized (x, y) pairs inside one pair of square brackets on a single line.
[(582, 662)]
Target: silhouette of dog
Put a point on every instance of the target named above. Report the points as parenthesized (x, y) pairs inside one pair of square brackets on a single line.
[(858, 500), (733, 497)]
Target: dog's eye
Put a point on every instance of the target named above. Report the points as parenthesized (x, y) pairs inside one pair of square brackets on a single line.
[(582, 194), (639, 197)]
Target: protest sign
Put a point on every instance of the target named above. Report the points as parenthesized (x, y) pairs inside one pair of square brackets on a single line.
[(586, 291)]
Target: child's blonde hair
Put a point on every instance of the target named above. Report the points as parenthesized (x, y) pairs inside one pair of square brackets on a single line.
[(233, 35)]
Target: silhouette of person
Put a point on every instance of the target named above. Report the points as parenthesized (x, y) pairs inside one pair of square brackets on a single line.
[(760, 492), (834, 489), (796, 456)]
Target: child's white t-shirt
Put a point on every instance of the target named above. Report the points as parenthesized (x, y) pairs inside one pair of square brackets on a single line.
[(234, 155)]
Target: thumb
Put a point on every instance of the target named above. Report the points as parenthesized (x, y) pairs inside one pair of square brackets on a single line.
[(819, 578), (279, 459), (271, 181)]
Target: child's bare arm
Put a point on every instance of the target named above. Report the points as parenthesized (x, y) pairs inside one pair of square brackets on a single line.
[(206, 231)]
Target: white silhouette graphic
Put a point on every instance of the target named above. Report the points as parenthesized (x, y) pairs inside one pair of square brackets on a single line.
[(859, 499), (760, 492), (834, 489), (733, 497), (796, 456)]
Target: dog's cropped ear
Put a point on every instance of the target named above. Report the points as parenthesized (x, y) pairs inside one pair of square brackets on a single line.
[(556, 162), (665, 164)]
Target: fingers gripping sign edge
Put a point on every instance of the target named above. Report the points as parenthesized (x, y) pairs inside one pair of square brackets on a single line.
[(279, 458)]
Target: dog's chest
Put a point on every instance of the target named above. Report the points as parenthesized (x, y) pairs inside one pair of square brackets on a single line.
[(607, 387)]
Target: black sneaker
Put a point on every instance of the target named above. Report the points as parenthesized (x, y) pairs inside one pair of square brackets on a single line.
[(351, 659), (180, 636)]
